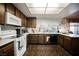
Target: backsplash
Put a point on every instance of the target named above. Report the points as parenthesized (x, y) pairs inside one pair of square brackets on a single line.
[(44, 29), (49, 28)]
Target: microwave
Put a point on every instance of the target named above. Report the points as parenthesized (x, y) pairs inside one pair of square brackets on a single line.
[(12, 19)]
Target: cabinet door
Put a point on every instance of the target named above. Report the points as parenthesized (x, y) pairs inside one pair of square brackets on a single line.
[(67, 43), (8, 49), (33, 23), (34, 38), (23, 22), (28, 39), (41, 39), (26, 25), (2, 13), (1, 52), (29, 23), (60, 40), (18, 13), (10, 8)]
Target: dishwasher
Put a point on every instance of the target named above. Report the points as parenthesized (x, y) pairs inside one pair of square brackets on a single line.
[(53, 39)]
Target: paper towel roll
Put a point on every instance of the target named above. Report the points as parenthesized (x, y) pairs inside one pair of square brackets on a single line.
[(47, 39)]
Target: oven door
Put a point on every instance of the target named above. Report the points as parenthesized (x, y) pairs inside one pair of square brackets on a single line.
[(20, 46)]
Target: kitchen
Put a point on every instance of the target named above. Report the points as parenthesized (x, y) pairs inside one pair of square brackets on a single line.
[(38, 29)]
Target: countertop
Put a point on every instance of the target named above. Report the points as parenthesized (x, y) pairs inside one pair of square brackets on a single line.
[(69, 35), (6, 41), (43, 33)]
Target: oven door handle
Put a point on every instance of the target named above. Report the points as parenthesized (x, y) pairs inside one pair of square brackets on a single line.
[(19, 45)]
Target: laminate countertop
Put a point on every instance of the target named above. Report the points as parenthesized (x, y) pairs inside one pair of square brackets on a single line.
[(69, 35), (6, 41)]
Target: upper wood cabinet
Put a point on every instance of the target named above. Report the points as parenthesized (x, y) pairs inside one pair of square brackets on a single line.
[(22, 18), (18, 13), (10, 8), (26, 21), (32, 22), (2, 13)]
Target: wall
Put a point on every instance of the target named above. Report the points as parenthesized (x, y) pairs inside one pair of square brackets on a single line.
[(47, 22), (71, 8)]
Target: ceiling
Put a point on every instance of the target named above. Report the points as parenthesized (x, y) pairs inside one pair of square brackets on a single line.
[(46, 8), (41, 10)]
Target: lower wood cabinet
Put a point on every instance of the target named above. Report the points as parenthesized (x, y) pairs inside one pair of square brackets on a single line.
[(37, 38), (60, 40), (41, 39), (7, 50), (67, 43), (70, 44)]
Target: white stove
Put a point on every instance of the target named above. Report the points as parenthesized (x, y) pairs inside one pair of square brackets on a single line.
[(19, 42)]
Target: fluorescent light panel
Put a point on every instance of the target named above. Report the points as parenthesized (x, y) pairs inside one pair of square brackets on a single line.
[(36, 4), (51, 8), (57, 4), (37, 10)]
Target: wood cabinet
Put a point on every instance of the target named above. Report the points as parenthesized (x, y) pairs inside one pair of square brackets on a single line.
[(18, 13), (41, 39), (71, 45), (7, 50), (32, 22), (10, 8), (38, 38), (33, 38), (60, 40), (22, 18), (2, 13), (26, 22), (67, 43)]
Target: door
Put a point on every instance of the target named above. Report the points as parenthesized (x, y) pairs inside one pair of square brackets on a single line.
[(67, 43), (18, 13), (2, 13), (10, 8), (60, 40), (41, 39)]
